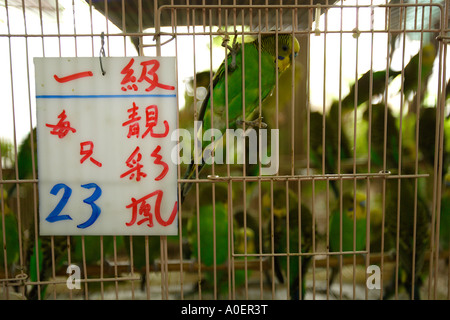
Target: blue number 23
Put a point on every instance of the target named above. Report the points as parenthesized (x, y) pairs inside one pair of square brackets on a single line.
[(55, 214)]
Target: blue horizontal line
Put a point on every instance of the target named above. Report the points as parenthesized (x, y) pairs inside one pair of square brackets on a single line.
[(93, 96)]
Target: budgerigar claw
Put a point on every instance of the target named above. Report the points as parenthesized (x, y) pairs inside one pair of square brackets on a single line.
[(257, 123), (233, 49)]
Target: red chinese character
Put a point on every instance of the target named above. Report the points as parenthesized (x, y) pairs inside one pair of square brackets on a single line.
[(151, 120), (153, 79), (62, 128), (129, 78), (73, 76), (159, 162), (133, 118), (88, 152), (133, 163), (141, 207), (144, 210)]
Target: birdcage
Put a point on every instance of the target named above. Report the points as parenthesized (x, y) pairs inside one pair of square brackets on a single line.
[(331, 180)]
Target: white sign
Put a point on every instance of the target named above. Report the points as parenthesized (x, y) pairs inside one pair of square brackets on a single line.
[(104, 146)]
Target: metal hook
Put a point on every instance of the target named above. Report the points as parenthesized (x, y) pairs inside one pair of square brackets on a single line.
[(102, 52)]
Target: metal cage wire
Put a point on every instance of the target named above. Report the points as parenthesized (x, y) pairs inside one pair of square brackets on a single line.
[(171, 269)]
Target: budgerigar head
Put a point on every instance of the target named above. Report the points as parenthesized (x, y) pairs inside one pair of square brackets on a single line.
[(245, 236), (428, 55), (279, 201), (288, 48), (278, 209), (348, 204)]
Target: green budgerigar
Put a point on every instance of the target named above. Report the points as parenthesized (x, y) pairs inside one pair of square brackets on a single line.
[(352, 235), (376, 224), (212, 223), (350, 215), (245, 240), (247, 222), (379, 112), (405, 203), (427, 134), (411, 71), (298, 239), (363, 84), (333, 149), (224, 101), (244, 243)]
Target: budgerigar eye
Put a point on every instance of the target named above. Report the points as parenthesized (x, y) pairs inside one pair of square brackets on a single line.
[(285, 48)]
